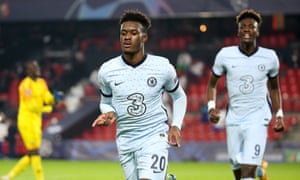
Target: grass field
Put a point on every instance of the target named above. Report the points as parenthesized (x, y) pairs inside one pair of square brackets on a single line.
[(103, 170)]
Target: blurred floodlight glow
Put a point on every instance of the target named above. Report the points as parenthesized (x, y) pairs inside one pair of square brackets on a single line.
[(203, 28)]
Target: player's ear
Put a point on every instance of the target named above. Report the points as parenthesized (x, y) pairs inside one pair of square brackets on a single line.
[(258, 30), (257, 33), (145, 37), (238, 33), (238, 30)]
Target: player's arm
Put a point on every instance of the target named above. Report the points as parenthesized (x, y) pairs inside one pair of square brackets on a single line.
[(48, 98), (179, 109), (54, 100), (214, 115), (108, 115), (274, 90), (49, 102)]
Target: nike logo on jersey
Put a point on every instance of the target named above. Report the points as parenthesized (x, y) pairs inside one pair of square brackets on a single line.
[(118, 83)]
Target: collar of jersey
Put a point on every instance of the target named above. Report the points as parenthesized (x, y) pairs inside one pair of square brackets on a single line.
[(135, 65), (256, 49)]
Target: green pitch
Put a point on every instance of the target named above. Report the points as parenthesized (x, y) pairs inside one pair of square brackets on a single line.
[(103, 170)]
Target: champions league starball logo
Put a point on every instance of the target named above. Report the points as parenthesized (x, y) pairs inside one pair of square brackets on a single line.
[(152, 81)]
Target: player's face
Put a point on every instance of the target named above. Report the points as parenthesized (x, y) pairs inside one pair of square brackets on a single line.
[(248, 30), (33, 69), (132, 37)]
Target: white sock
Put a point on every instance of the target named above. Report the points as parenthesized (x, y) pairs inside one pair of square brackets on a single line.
[(247, 179)]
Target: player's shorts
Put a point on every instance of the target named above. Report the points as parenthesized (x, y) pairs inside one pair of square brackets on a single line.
[(31, 135), (150, 161), (246, 144)]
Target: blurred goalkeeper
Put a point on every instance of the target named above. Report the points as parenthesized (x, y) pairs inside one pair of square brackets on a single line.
[(35, 99)]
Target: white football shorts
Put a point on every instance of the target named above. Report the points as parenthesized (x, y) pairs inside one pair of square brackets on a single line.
[(246, 144), (150, 161)]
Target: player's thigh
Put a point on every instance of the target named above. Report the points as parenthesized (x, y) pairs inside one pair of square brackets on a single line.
[(152, 159), (234, 143), (129, 166), (255, 144)]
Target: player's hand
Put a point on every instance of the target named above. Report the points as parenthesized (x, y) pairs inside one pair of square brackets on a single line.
[(104, 119), (214, 116), (279, 124), (174, 136)]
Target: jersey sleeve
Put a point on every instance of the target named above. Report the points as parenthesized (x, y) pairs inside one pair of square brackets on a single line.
[(179, 106), (48, 97), (275, 66), (178, 96), (218, 68), (172, 81), (104, 85), (105, 104)]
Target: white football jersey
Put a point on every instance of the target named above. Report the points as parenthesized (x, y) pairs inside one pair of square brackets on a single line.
[(246, 78), (136, 94)]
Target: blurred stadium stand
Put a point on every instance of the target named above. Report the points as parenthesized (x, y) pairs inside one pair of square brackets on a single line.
[(71, 51)]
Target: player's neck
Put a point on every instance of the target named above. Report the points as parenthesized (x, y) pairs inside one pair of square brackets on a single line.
[(34, 78), (134, 58), (248, 48)]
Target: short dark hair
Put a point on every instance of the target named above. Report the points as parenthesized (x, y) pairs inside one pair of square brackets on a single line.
[(249, 13), (136, 15)]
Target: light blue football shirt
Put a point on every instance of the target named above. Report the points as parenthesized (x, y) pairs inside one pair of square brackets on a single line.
[(136, 96), (246, 78)]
